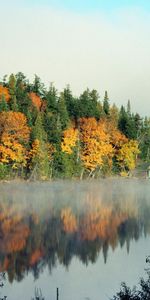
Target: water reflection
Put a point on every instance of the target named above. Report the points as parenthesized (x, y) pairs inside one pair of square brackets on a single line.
[(50, 224)]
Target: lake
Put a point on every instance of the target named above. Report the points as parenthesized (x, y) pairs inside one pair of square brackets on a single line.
[(83, 237)]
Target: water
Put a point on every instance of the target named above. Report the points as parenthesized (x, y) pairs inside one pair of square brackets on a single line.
[(83, 237)]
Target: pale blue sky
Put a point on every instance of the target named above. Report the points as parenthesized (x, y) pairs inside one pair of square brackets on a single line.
[(103, 45), (91, 5)]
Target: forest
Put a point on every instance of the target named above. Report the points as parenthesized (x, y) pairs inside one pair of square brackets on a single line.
[(47, 134)]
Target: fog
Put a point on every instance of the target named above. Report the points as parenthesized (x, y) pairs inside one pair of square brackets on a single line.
[(58, 194)]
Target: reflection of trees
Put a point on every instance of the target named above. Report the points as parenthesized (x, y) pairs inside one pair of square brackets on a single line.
[(29, 242)]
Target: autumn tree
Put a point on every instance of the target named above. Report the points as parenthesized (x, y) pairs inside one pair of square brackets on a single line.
[(70, 138), (36, 100), (14, 134), (126, 156), (96, 147), (4, 92)]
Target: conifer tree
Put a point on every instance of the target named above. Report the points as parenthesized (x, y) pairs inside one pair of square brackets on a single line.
[(106, 105), (39, 154), (52, 99), (63, 119), (38, 86), (70, 102), (123, 120), (3, 104), (12, 91)]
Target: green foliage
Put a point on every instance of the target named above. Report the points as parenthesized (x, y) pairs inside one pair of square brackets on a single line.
[(63, 116), (52, 99), (37, 86), (38, 131), (88, 104), (144, 140), (12, 91), (3, 104), (52, 127), (4, 171), (141, 293)]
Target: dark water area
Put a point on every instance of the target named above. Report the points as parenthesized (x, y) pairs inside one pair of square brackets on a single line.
[(83, 237)]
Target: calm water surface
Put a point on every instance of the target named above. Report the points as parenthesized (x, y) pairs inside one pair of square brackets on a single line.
[(83, 237)]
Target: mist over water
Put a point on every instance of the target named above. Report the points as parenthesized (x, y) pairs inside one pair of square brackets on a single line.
[(75, 235), (59, 192)]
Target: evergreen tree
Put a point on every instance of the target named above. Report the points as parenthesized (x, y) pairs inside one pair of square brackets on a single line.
[(63, 117), (52, 99), (53, 128), (23, 100), (88, 104), (38, 87), (123, 120), (128, 108), (3, 104), (38, 131), (95, 104), (12, 91), (144, 140), (106, 105), (40, 162), (70, 102)]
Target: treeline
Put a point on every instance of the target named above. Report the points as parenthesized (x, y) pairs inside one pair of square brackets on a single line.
[(45, 134)]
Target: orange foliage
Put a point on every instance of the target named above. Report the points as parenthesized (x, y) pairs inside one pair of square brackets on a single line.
[(13, 230), (4, 266), (35, 257), (100, 221), (16, 240), (70, 137), (117, 139), (69, 220), (13, 132), (4, 92), (14, 125), (36, 100)]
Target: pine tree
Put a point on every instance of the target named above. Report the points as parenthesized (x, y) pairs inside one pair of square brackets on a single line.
[(52, 99), (70, 102), (12, 91), (3, 104), (38, 131), (63, 118), (123, 120), (39, 154), (38, 86), (106, 105)]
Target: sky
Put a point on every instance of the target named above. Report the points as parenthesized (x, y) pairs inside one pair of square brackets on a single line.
[(102, 45)]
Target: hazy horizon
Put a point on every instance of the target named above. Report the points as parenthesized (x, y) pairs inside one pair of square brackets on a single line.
[(95, 45)]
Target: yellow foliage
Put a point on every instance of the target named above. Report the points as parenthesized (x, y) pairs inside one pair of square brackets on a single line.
[(70, 137), (127, 154), (13, 133), (96, 143)]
